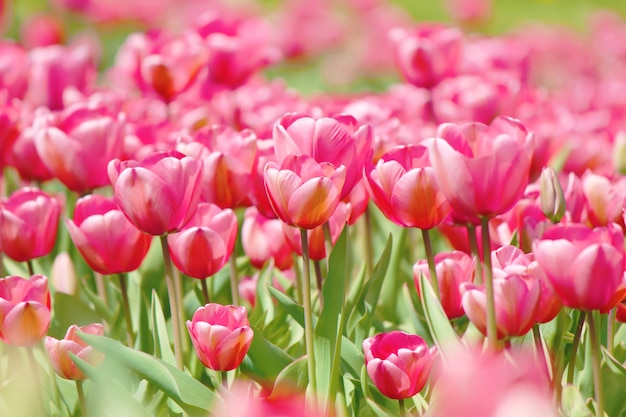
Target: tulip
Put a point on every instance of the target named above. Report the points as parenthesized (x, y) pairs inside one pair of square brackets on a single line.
[(228, 159), (477, 384), (77, 147), (605, 200), (24, 309), (428, 54), (221, 335), (551, 196), (108, 242), (63, 274), (14, 69), (515, 305), (315, 237), (304, 193), (398, 363), (202, 247), (24, 157), (403, 185), (482, 170), (339, 140), (29, 220), (59, 351), (263, 239), (585, 267), (159, 194), (453, 269)]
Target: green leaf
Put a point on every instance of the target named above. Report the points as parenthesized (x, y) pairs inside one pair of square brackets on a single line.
[(293, 376), (573, 403), (265, 360), (440, 328), (327, 334), (188, 393), (295, 310), (362, 315), (163, 349)]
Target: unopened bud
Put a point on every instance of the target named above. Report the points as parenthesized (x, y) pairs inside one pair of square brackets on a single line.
[(551, 195), (619, 153), (63, 274)]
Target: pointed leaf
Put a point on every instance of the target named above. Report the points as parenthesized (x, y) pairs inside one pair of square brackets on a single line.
[(163, 349)]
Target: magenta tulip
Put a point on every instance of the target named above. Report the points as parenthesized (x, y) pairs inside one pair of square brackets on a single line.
[(29, 221), (108, 242), (398, 363), (204, 244), (584, 266), (221, 335), (263, 239), (159, 194)]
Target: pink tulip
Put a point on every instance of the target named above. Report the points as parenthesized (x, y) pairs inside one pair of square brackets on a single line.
[(476, 384), (511, 260), (54, 69), (158, 194), (41, 30), (404, 187), (453, 269), (63, 274), (482, 170), (428, 54), (228, 159), (338, 140), (108, 242), (263, 239), (160, 63), (515, 304), (9, 127), (23, 156), (205, 243), (584, 266), (77, 146), (243, 399), (59, 351), (398, 363), (605, 200), (315, 237), (221, 335), (302, 192), (469, 11), (24, 309), (29, 221), (14, 69)]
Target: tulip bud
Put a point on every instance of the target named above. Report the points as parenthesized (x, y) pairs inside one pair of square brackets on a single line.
[(63, 274), (221, 335), (551, 195), (59, 351), (619, 153), (398, 363)]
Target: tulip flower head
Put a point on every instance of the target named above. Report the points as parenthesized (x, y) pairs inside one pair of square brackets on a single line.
[(302, 192), (398, 363), (24, 309), (221, 335), (59, 351), (29, 221), (109, 243), (158, 194)]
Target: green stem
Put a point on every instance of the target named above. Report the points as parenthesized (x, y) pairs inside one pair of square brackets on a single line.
[(205, 291), (430, 257), (171, 292), (402, 407), (575, 343), (319, 281), (595, 361), (178, 286), (81, 398), (224, 378), (610, 330), (101, 288), (308, 313), (369, 250), (130, 335), (234, 280), (298, 280), (29, 265), (473, 244), (557, 352), (492, 329), (539, 348)]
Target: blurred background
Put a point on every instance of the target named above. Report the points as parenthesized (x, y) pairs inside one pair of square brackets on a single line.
[(348, 54)]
